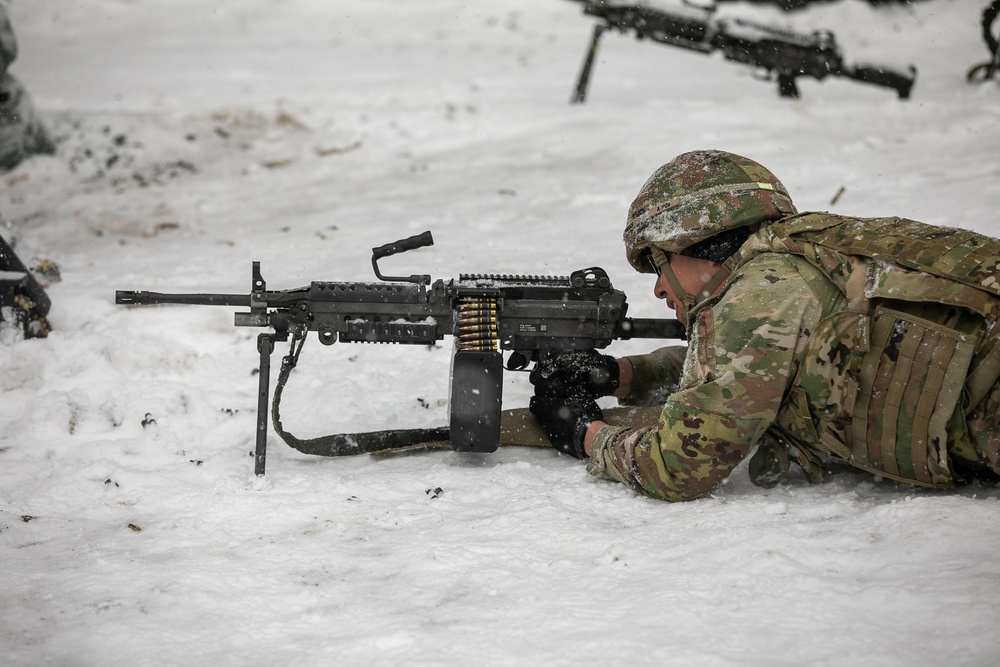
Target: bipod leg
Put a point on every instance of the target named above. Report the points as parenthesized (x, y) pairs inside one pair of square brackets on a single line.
[(580, 93), (265, 345)]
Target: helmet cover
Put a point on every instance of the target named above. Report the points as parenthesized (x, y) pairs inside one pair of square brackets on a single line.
[(699, 195)]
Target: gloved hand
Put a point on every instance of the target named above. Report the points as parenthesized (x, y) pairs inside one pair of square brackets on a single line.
[(565, 420), (565, 373)]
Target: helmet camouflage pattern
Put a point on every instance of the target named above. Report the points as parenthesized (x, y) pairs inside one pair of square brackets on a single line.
[(698, 195)]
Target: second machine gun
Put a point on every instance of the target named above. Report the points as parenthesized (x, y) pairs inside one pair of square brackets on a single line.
[(529, 316), (782, 54)]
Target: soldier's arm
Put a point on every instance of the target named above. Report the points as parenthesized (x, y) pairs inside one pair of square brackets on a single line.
[(741, 358), (648, 379)]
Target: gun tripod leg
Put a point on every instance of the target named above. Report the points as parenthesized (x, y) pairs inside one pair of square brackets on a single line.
[(265, 345)]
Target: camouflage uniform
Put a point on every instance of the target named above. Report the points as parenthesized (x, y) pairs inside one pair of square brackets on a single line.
[(864, 340)]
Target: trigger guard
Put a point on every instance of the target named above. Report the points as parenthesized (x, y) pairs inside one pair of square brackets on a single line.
[(517, 361)]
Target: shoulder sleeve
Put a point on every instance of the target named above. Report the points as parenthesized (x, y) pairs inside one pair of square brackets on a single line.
[(741, 358)]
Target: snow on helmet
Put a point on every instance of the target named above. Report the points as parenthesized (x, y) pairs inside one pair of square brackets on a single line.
[(699, 195)]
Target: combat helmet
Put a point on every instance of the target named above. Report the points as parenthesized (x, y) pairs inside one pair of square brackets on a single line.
[(702, 204)]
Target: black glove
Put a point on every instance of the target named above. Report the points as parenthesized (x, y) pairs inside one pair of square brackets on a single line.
[(566, 373), (565, 420)]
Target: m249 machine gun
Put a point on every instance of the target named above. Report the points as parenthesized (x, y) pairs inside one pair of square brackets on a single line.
[(528, 316), (780, 54)]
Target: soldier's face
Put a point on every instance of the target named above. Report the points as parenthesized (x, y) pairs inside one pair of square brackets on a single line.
[(692, 274)]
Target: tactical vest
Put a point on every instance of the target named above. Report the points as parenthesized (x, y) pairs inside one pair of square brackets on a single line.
[(888, 381)]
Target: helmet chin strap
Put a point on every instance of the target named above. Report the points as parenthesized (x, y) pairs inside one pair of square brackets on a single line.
[(689, 301)]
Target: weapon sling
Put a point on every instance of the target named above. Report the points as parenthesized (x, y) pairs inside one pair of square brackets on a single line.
[(342, 444)]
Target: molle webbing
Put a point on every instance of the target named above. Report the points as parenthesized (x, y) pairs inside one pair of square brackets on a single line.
[(955, 254), (909, 385), (924, 301)]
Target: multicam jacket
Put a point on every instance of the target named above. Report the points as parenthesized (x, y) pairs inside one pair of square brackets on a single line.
[(865, 340)]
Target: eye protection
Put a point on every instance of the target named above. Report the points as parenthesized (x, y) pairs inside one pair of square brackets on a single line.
[(659, 260), (647, 256)]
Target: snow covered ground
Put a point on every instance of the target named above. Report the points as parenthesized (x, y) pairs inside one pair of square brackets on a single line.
[(195, 137)]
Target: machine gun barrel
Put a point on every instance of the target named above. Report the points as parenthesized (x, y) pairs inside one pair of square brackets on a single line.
[(651, 328), (902, 82), (130, 298)]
